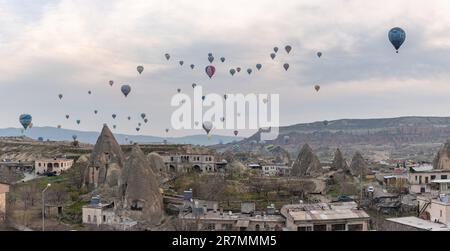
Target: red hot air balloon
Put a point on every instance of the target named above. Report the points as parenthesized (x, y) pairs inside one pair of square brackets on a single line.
[(210, 70)]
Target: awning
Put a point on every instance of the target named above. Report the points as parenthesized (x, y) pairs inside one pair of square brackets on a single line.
[(242, 223)]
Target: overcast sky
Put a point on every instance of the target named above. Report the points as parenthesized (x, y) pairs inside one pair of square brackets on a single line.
[(70, 47)]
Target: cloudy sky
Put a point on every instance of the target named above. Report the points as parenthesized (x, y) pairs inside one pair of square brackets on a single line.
[(49, 47)]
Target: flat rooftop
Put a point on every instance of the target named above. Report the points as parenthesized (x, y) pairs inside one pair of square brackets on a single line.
[(235, 217), (420, 223), (324, 211)]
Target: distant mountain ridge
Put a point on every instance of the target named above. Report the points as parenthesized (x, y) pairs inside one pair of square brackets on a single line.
[(56, 134), (348, 132)]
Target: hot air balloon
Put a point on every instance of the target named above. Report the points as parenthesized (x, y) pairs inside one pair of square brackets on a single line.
[(178, 90), (203, 98), (210, 58), (40, 139), (181, 62), (95, 112), (232, 72), (325, 122), (249, 71), (138, 129), (114, 116), (25, 120), (210, 54), (236, 133), (288, 48), (129, 118), (60, 96), (146, 121), (319, 54), (210, 70), (222, 119), (286, 66), (126, 89), (258, 66), (78, 121), (167, 130), (67, 116), (140, 69), (222, 59), (192, 66), (273, 55), (114, 126), (207, 126), (317, 87), (225, 96), (111, 83), (265, 101), (194, 85), (196, 123), (59, 126), (167, 56), (238, 69), (74, 137), (139, 124), (143, 115), (275, 49), (89, 92), (397, 36)]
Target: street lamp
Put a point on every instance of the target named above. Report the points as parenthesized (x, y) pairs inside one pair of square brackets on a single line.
[(43, 206)]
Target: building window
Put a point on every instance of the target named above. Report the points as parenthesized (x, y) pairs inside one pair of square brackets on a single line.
[(441, 213), (420, 179), (433, 177), (39, 165), (257, 227), (104, 218), (95, 218), (338, 227), (355, 227), (303, 229), (136, 205), (426, 180), (89, 218), (321, 228), (443, 177), (211, 227)]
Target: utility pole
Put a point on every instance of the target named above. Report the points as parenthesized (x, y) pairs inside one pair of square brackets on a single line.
[(43, 206)]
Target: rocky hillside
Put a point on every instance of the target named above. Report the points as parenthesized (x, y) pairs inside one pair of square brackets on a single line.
[(420, 134)]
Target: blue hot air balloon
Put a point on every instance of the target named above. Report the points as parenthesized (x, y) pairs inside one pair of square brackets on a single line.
[(258, 66), (25, 120), (126, 89), (397, 36), (78, 121), (74, 137)]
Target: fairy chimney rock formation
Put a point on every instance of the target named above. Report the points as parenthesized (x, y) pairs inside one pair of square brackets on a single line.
[(142, 197), (307, 163), (106, 161)]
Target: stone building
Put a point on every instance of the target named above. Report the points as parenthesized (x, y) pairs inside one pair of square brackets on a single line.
[(340, 216), (185, 162), (54, 165), (4, 189)]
